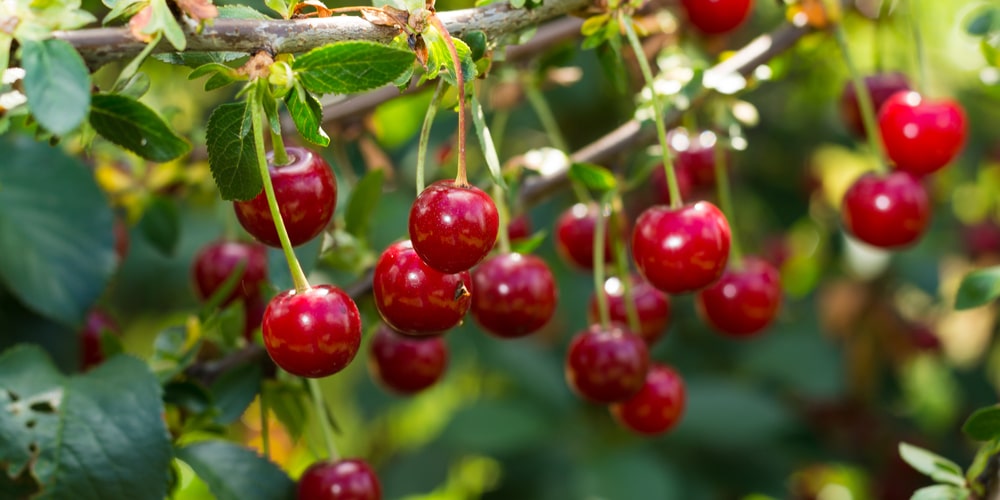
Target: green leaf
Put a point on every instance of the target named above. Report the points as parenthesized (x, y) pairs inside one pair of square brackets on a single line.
[(231, 153), (593, 177), (514, 425), (133, 126), (486, 142), (161, 224), (976, 473), (237, 11), (530, 244), (635, 473), (57, 84), (163, 21), (978, 288), (712, 402), (940, 492), (478, 44), (279, 6), (290, 403), (55, 230), (222, 75), (233, 472), (983, 424), (364, 200), (932, 465), (439, 57), (307, 115), (983, 22), (173, 351), (30, 390), (350, 67), (198, 59), (235, 390)]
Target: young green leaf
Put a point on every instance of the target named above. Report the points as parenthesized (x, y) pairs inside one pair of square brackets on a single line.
[(983, 21), (163, 21), (593, 177), (364, 199), (231, 154), (173, 350), (940, 492), (57, 84), (983, 424), (133, 126), (486, 142), (932, 465), (161, 224), (477, 43), (528, 245), (978, 288), (439, 57), (225, 467), (349, 67), (307, 114)]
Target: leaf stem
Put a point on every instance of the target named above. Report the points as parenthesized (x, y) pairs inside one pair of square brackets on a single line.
[(257, 117), (545, 115), (319, 404), (600, 231), (621, 262), (723, 186), (661, 128), (278, 147), (462, 178), (425, 134), (864, 99)]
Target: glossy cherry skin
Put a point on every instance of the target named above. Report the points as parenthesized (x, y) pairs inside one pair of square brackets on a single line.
[(406, 365), (652, 307), (306, 192), (886, 211), (414, 298), (657, 407), (606, 365), (744, 301), (921, 135), (453, 228), (519, 228), (312, 334), (714, 17), (96, 323), (880, 87), (575, 236), (348, 479), (215, 262), (681, 250), (515, 295)]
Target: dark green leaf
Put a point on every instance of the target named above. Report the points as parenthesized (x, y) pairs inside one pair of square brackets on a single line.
[(57, 84), (983, 21), (940, 492), (289, 402), (233, 472), (983, 424), (190, 396), (277, 266), (530, 244), (477, 42), (134, 87), (133, 126), (593, 177), (236, 11), (231, 154), (307, 115), (55, 230), (932, 465), (708, 418), (161, 224), (235, 390), (632, 473), (978, 288), (30, 392), (512, 425), (349, 67), (173, 351), (364, 200)]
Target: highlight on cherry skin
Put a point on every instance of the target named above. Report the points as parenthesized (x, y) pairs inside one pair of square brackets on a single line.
[(888, 211), (605, 365), (921, 135), (405, 364), (515, 294), (346, 479), (657, 407), (652, 307), (745, 300), (453, 227)]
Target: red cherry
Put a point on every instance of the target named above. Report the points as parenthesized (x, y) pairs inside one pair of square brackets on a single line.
[(606, 365), (657, 407), (306, 192), (519, 228), (681, 250), (348, 479), (921, 135), (575, 236), (314, 333), (880, 87), (923, 338), (453, 228), (96, 323), (652, 306), (416, 299), (744, 301), (406, 365), (684, 183), (981, 239), (215, 262), (515, 295), (694, 154), (887, 211), (717, 16)]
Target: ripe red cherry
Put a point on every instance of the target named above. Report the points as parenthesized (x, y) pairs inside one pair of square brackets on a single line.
[(348, 479), (575, 236), (306, 192), (744, 301), (887, 211), (406, 365), (606, 365), (519, 228), (96, 323), (314, 333), (515, 295), (982, 238), (452, 227), (652, 306), (694, 153), (880, 87), (717, 16), (215, 262), (921, 135), (681, 250), (416, 299), (657, 407)]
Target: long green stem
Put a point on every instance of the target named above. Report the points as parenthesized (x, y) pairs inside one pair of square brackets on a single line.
[(462, 177), (726, 200), (600, 229), (278, 147), (661, 126), (425, 134), (918, 47), (319, 404), (864, 98), (621, 261), (545, 116), (257, 116), (265, 431), (500, 199)]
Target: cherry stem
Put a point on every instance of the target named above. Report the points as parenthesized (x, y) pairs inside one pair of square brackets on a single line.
[(723, 186), (918, 48), (462, 178), (661, 127), (257, 115), (864, 99), (425, 134), (545, 116), (319, 404), (278, 146), (503, 236), (621, 261), (600, 230), (265, 432)]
